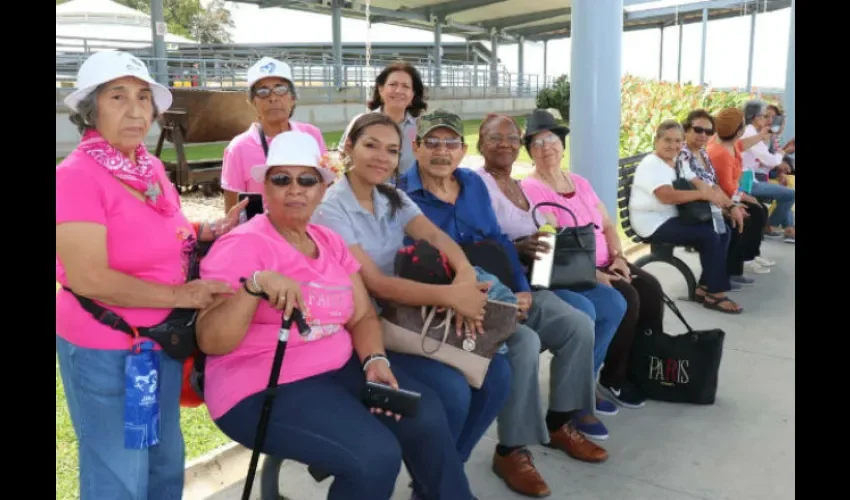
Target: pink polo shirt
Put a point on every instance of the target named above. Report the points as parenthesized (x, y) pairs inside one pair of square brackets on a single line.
[(140, 242), (246, 150), (583, 203), (328, 294)]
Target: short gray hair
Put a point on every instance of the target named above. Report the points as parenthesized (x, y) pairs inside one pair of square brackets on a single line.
[(85, 117), (668, 125), (752, 109)]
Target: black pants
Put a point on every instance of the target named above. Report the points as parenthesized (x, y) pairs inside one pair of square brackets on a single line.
[(747, 245), (644, 310), (712, 247)]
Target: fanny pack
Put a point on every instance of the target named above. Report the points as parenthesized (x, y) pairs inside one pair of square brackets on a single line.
[(175, 334)]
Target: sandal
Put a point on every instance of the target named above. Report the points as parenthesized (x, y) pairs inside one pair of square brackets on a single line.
[(715, 304), (700, 299)]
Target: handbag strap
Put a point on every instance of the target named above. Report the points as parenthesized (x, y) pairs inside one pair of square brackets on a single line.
[(669, 302), (551, 204), (427, 325)]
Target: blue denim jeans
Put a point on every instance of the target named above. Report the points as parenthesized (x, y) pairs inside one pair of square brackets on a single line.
[(94, 388), (606, 308), (784, 197)]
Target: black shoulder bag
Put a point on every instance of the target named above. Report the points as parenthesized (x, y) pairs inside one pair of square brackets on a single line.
[(574, 259), (692, 212)]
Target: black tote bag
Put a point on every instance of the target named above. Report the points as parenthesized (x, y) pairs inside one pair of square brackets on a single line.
[(692, 212), (574, 259), (677, 368)]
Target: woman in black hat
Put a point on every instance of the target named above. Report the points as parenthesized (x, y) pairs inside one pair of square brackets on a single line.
[(544, 140)]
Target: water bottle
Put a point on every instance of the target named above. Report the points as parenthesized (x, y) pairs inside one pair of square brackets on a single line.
[(541, 270)]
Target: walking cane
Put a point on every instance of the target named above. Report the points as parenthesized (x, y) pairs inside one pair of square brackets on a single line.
[(262, 426)]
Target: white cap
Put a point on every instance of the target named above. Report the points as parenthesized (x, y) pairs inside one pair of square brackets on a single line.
[(266, 68), (108, 65), (293, 149)]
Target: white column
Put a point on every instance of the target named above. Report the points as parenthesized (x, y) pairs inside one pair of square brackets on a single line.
[(702, 53), (752, 49), (597, 32), (790, 80)]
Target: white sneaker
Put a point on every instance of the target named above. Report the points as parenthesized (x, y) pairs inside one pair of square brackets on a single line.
[(765, 262), (754, 267)]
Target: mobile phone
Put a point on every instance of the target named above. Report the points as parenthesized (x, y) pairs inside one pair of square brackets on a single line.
[(777, 123), (398, 401), (255, 204)]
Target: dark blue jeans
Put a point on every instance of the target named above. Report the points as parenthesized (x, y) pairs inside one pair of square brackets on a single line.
[(322, 421), (712, 247), (469, 411)]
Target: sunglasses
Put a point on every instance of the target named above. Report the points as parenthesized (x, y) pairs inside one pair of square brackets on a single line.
[(279, 90), (700, 130), (549, 139), (303, 180), (450, 144)]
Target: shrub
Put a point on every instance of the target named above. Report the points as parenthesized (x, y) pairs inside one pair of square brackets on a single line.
[(557, 97)]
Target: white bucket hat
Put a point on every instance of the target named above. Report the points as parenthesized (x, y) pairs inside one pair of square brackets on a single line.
[(294, 149), (268, 67), (108, 65)]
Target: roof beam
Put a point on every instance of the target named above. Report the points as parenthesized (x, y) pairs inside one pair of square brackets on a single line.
[(510, 21), (453, 7), (681, 9), (541, 29)]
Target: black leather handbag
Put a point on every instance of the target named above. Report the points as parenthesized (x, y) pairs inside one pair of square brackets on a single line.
[(692, 212), (574, 259)]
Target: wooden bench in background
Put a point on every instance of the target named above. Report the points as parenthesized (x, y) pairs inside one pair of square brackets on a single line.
[(659, 252)]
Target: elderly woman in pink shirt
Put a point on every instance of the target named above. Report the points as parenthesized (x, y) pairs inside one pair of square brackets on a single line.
[(122, 251), (272, 94), (318, 417), (549, 183)]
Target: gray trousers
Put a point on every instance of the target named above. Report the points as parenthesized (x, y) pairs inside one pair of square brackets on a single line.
[(567, 333)]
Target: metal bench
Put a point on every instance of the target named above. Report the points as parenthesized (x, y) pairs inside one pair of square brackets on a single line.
[(659, 252)]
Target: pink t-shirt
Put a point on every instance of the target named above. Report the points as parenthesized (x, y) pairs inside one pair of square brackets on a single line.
[(140, 242), (246, 150), (326, 285), (584, 204)]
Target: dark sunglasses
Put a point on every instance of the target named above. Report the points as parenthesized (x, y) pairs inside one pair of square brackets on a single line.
[(303, 180), (279, 90), (700, 130)]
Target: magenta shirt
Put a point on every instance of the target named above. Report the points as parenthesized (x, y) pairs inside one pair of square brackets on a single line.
[(246, 151), (584, 204)]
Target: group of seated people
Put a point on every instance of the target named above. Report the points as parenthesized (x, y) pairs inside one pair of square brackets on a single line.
[(327, 244)]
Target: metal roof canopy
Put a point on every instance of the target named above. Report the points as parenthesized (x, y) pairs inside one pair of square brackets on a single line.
[(541, 20), (457, 52)]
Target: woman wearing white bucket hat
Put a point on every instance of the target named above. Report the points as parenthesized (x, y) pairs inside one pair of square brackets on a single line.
[(318, 416), (122, 241), (271, 92)]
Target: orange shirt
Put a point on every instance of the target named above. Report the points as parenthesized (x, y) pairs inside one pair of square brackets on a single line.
[(727, 167)]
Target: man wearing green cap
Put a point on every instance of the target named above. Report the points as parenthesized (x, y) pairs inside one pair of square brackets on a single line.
[(457, 201)]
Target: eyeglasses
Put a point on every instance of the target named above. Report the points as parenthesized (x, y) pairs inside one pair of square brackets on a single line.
[(279, 90), (450, 144), (303, 180), (549, 139), (700, 130), (513, 139)]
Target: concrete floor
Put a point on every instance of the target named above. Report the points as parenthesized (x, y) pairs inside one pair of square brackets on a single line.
[(741, 448)]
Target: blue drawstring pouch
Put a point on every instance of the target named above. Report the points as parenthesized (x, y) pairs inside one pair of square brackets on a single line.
[(141, 396)]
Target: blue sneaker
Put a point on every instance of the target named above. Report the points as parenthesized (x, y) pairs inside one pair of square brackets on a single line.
[(596, 431), (605, 407)]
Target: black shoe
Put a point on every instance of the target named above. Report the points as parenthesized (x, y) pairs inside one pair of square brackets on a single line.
[(627, 395)]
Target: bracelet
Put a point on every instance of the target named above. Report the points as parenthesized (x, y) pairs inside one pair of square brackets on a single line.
[(374, 357), (253, 280)]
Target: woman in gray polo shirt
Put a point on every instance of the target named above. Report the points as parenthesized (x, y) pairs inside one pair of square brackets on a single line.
[(374, 218), (400, 94)]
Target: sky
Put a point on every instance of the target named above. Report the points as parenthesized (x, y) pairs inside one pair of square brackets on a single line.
[(727, 45)]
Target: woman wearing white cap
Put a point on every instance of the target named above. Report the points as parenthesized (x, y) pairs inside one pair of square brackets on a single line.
[(278, 261), (122, 241), (272, 94)]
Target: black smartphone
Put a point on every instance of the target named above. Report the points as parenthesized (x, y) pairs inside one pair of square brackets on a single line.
[(398, 401), (255, 204)]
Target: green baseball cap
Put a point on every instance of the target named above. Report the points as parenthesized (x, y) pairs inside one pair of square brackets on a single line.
[(437, 119)]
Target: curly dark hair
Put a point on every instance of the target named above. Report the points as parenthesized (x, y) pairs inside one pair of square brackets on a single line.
[(417, 105), (697, 114)]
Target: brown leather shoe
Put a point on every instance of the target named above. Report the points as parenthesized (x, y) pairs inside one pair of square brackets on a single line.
[(518, 472), (574, 444)]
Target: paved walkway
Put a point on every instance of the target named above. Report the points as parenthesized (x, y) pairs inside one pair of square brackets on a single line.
[(741, 448)]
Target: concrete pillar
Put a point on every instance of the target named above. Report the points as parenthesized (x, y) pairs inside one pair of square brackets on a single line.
[(661, 57), (679, 64), (545, 62), (752, 50), (790, 80), (438, 52), (160, 67), (336, 33), (520, 84), (494, 62), (475, 69), (597, 34), (704, 41)]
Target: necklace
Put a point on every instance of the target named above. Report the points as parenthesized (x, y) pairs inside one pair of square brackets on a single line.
[(510, 188)]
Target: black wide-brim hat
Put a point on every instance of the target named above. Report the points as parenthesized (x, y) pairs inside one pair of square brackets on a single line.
[(540, 120)]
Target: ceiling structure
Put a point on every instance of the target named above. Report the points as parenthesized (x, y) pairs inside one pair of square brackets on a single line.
[(540, 20)]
